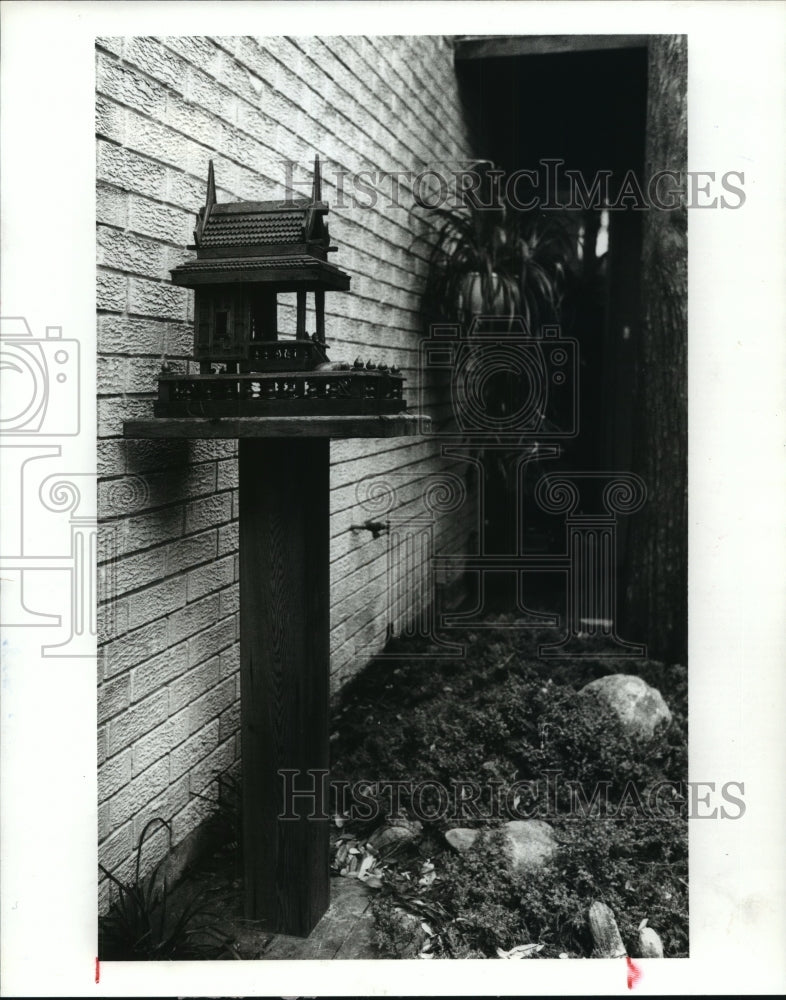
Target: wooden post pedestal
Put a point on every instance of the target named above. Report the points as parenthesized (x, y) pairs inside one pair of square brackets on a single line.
[(284, 487)]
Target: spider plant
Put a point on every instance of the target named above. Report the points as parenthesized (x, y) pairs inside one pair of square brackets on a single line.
[(488, 258), (141, 925)]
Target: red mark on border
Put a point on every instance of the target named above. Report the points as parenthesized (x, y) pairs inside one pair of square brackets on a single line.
[(98, 970), (634, 973)]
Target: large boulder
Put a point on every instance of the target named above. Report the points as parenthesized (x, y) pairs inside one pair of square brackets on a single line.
[(529, 842), (640, 708)]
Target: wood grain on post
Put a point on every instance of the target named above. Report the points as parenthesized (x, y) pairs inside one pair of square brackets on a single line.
[(284, 676)]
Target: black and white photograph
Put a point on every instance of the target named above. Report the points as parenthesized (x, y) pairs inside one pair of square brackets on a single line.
[(401, 565), (393, 570)]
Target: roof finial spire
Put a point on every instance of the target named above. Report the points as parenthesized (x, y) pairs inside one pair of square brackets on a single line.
[(210, 200), (316, 194)]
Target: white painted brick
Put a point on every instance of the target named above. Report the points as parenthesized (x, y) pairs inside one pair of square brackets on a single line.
[(193, 618), (139, 791), (123, 169), (110, 120), (229, 601), (110, 456), (190, 817), (151, 747), (228, 535), (210, 577), (208, 770), (111, 44), (137, 720), (204, 91), (113, 697), (126, 651), (195, 749), (189, 687), (135, 493), (191, 551), (113, 775), (104, 826), (201, 52), (230, 661), (194, 122), (116, 849), (126, 252), (154, 298), (121, 335), (156, 600), (163, 222), (183, 189), (203, 451), (230, 721), (158, 526), (212, 704), (129, 87), (208, 512), (111, 374), (227, 474), (111, 291), (212, 640), (153, 455), (156, 840), (158, 671), (112, 619), (150, 55)]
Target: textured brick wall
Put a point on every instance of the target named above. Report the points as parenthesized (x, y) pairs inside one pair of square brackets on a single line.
[(168, 678)]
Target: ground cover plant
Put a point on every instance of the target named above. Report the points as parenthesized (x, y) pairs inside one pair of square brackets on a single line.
[(497, 717)]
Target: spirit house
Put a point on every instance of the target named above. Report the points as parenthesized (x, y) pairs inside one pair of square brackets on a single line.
[(247, 254)]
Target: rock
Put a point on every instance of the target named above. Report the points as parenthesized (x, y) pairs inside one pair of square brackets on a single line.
[(639, 707), (650, 944), (531, 843), (461, 838), (394, 832), (605, 933)]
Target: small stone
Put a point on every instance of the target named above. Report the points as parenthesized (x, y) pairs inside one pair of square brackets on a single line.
[(640, 708), (531, 843), (650, 944), (461, 838)]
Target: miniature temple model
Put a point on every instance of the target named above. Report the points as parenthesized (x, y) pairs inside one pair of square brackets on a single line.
[(248, 253)]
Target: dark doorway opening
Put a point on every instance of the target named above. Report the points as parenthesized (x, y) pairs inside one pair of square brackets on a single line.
[(563, 109)]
